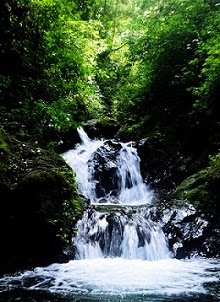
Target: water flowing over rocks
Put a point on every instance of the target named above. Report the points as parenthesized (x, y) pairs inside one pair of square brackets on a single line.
[(127, 241), (129, 233), (108, 171), (196, 232), (113, 177), (110, 175)]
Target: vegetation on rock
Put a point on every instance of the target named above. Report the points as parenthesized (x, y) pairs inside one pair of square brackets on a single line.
[(39, 204), (203, 188)]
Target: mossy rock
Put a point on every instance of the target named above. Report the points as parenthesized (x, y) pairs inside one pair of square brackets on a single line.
[(203, 188), (39, 204), (105, 127)]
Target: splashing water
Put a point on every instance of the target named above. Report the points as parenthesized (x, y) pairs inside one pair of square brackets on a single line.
[(125, 235), (102, 234), (116, 276), (120, 250), (129, 186)]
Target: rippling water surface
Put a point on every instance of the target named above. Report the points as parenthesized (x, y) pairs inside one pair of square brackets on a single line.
[(116, 280)]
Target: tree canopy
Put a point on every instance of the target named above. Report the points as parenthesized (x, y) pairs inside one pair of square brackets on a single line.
[(153, 66)]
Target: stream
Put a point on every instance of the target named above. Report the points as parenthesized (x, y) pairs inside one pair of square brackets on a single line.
[(121, 250)]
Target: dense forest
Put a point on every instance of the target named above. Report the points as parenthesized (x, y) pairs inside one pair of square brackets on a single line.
[(138, 69)]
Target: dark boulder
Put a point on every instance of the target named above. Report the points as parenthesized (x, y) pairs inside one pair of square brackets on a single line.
[(39, 204), (103, 165), (67, 140), (104, 128), (190, 232), (162, 168), (198, 232)]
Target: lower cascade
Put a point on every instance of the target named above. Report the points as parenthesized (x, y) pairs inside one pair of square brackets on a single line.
[(130, 236), (120, 247)]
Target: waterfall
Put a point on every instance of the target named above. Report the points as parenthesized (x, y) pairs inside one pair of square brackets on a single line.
[(125, 235), (108, 174), (78, 160), (121, 252), (132, 187)]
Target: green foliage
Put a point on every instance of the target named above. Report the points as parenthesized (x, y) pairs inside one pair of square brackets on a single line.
[(207, 64), (47, 66), (60, 115), (169, 81), (159, 61), (3, 145), (150, 66), (130, 59), (153, 66)]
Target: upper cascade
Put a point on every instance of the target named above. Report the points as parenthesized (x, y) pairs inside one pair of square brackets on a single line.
[(108, 171)]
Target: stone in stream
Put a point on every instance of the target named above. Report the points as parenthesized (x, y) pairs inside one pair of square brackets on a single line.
[(104, 169)]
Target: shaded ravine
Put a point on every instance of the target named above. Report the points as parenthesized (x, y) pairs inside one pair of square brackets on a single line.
[(121, 251)]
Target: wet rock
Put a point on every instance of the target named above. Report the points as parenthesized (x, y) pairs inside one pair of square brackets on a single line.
[(104, 128), (103, 200), (202, 188), (67, 140), (110, 200), (198, 232), (161, 167), (190, 232), (104, 169)]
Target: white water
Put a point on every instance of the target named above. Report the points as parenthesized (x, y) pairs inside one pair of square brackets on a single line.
[(78, 161), (119, 277), (120, 251), (128, 170), (103, 235)]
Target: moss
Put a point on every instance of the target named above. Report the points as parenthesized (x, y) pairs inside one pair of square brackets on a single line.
[(39, 202), (50, 197), (202, 188), (5, 162), (3, 146)]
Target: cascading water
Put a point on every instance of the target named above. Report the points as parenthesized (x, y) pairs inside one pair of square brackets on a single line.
[(108, 171), (121, 250), (129, 236), (117, 180)]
